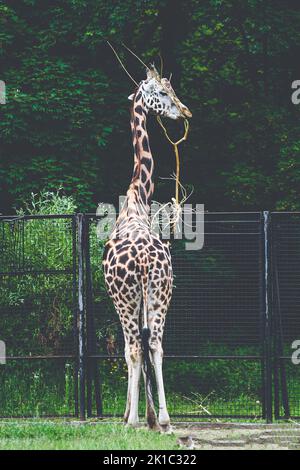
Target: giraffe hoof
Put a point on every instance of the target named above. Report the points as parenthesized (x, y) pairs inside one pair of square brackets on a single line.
[(132, 424), (164, 420), (166, 429), (152, 421), (154, 427)]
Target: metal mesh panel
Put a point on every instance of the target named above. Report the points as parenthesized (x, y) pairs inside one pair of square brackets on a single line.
[(216, 300), (37, 311), (216, 341), (37, 388), (195, 388), (39, 244), (286, 285), (213, 332), (42, 310)]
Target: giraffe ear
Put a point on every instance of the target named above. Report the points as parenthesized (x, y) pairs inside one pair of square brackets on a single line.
[(130, 97)]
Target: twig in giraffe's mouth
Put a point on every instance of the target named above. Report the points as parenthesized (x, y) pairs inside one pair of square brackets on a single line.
[(176, 151), (172, 211)]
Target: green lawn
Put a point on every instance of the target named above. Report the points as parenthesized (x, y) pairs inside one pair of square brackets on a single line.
[(54, 435)]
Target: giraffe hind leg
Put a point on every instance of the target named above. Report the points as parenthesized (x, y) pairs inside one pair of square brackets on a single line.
[(163, 417), (136, 365), (148, 379), (156, 324), (128, 401)]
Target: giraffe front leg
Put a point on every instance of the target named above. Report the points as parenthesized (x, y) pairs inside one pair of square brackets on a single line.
[(136, 366), (163, 417)]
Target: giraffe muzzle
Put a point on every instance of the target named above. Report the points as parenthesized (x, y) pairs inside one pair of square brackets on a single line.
[(186, 112)]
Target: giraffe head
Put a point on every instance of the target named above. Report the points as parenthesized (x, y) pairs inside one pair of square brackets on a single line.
[(159, 96)]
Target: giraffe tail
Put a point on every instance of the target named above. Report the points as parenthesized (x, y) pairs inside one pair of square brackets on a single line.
[(145, 337), (147, 363)]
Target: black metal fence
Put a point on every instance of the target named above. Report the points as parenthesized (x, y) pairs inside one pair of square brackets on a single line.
[(228, 336)]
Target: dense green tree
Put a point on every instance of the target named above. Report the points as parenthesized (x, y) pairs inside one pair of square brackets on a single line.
[(66, 118)]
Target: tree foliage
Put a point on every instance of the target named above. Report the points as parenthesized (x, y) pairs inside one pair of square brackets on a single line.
[(65, 123)]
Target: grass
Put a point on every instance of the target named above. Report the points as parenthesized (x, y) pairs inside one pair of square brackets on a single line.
[(54, 435), (33, 434)]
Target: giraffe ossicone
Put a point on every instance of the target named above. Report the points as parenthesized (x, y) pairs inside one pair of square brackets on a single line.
[(137, 267)]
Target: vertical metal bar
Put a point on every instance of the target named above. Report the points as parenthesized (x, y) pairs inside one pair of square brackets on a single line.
[(91, 336), (88, 320), (75, 329), (276, 387), (81, 346), (278, 337), (266, 232), (262, 315), (275, 329), (22, 263), (274, 324)]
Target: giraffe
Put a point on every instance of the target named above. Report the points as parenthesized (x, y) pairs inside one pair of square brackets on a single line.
[(137, 263)]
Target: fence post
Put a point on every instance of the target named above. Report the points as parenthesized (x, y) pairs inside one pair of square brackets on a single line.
[(88, 297), (81, 320), (266, 302), (279, 364), (75, 311), (93, 374)]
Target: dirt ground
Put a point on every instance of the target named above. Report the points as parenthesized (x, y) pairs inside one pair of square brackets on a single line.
[(232, 436)]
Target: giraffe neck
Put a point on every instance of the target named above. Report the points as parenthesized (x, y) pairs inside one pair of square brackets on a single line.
[(141, 188), (141, 183)]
